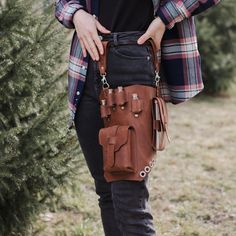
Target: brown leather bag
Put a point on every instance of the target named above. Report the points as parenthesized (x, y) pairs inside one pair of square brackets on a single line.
[(135, 125)]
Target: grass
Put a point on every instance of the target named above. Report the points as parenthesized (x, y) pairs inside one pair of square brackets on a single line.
[(192, 186)]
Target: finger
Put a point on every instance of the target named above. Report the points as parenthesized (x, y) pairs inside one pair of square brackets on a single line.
[(88, 48), (83, 48), (101, 28), (157, 42), (98, 43), (92, 47), (143, 38)]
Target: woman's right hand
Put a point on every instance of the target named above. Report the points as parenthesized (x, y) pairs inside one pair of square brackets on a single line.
[(86, 27)]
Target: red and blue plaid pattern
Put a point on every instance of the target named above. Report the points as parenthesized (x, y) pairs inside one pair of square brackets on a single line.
[(181, 63)]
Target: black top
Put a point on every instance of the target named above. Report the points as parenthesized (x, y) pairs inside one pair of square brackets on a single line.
[(126, 15)]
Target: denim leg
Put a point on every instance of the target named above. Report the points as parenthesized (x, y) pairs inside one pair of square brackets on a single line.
[(132, 211), (124, 204), (88, 123)]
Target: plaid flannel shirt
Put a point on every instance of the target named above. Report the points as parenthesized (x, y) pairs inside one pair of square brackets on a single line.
[(181, 76)]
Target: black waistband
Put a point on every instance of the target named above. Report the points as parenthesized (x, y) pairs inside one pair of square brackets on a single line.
[(119, 37)]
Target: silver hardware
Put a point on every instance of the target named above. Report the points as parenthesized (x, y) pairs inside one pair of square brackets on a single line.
[(147, 169), (95, 16), (151, 164), (135, 96), (142, 173), (120, 88), (136, 115), (103, 102), (104, 81), (157, 78)]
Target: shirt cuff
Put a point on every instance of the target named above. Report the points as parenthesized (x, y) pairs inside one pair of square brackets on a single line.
[(65, 12), (172, 12)]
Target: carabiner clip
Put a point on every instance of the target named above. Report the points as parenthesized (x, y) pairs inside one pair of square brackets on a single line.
[(104, 81)]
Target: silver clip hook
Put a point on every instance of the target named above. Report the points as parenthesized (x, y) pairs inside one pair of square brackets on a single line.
[(104, 81)]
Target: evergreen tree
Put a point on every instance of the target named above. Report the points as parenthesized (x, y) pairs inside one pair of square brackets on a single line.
[(217, 44), (36, 153)]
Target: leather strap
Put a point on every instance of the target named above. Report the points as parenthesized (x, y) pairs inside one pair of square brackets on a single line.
[(154, 53), (102, 63)]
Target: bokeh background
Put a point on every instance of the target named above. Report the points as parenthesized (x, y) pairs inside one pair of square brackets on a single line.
[(45, 186)]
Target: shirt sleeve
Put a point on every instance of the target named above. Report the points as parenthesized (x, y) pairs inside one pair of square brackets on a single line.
[(65, 9), (174, 11)]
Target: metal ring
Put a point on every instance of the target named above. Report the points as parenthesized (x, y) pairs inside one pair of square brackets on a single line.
[(142, 173), (151, 164), (95, 16), (147, 169)]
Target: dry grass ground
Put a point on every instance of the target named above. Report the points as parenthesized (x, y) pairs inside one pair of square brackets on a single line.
[(192, 187)]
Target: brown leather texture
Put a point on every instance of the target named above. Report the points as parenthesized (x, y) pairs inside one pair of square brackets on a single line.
[(133, 132), (135, 127), (119, 149)]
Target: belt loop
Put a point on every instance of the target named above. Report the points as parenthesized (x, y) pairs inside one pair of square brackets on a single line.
[(115, 36)]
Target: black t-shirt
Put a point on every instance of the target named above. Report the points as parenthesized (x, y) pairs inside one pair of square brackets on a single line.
[(126, 15)]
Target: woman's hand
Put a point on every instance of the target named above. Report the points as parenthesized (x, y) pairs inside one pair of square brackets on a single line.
[(86, 27), (155, 31)]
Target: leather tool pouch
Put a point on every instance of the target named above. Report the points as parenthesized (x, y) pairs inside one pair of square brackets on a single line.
[(135, 121), (118, 143)]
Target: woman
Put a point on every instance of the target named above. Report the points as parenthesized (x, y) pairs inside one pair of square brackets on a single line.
[(124, 204)]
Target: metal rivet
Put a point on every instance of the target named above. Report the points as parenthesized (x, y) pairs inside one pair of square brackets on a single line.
[(78, 92), (142, 173), (151, 164), (147, 169)]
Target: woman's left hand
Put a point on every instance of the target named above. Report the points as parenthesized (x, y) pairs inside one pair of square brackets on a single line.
[(155, 31)]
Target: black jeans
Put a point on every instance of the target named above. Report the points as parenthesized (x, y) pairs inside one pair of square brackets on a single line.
[(124, 204)]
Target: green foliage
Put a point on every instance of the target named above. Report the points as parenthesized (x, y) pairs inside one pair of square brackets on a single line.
[(36, 153), (217, 37)]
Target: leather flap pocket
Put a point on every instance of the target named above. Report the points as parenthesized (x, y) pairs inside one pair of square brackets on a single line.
[(105, 133), (121, 136), (118, 148), (116, 135)]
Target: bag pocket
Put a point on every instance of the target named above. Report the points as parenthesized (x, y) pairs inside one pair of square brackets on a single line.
[(118, 143), (128, 65), (160, 124), (132, 51)]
